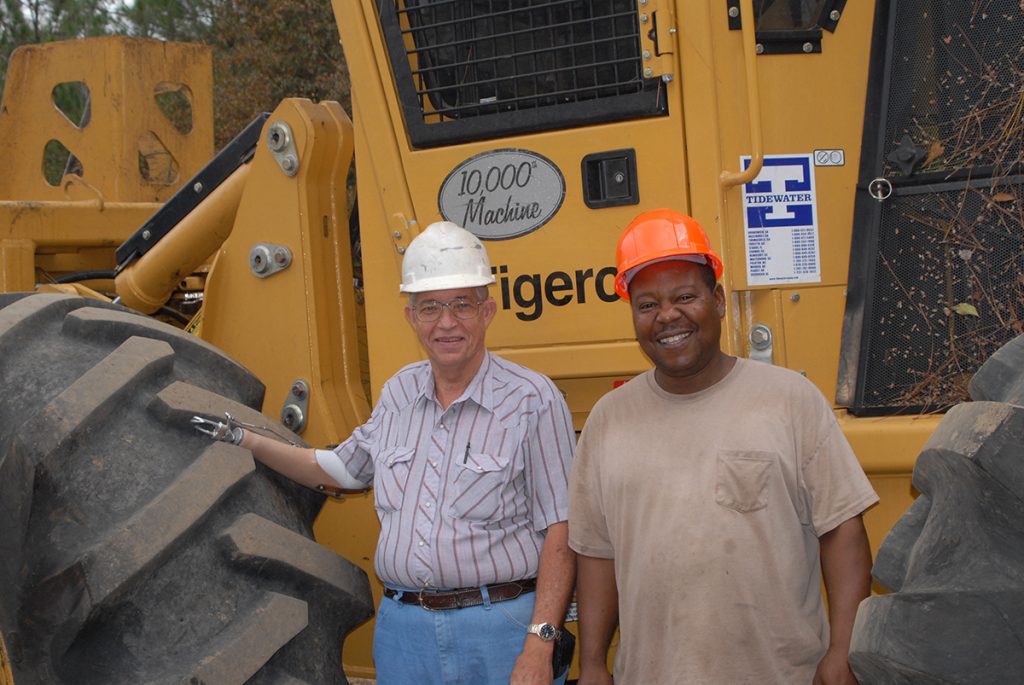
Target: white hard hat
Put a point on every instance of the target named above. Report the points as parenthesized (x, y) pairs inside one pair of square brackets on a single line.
[(445, 256)]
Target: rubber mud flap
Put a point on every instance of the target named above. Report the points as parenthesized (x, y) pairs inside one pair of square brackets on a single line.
[(132, 549), (955, 560)]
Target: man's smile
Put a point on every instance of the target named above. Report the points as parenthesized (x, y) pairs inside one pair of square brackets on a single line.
[(673, 339)]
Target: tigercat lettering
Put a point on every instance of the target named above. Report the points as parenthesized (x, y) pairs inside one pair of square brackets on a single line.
[(529, 292)]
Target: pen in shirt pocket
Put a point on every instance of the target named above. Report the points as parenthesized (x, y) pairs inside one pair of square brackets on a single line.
[(465, 457)]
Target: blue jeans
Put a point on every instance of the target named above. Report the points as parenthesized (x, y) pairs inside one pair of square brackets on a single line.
[(472, 646)]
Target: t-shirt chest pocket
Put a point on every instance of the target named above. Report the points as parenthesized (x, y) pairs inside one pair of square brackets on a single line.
[(479, 483), (741, 479), (389, 477)]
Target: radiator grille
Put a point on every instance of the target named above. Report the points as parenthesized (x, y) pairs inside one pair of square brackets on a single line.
[(517, 62)]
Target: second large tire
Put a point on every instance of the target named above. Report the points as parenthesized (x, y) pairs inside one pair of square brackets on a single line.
[(133, 550), (955, 560)]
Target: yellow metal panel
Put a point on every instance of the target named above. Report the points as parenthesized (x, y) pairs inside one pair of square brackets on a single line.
[(80, 224), (65, 259), (59, 237), (305, 318), (895, 495), (888, 444), (812, 321), (123, 77), (581, 394), (808, 102), (17, 265), (386, 217)]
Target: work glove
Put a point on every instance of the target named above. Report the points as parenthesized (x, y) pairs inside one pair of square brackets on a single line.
[(225, 432)]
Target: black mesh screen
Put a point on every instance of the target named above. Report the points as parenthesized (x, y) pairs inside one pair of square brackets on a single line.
[(516, 62), (936, 276), (956, 76), (948, 292)]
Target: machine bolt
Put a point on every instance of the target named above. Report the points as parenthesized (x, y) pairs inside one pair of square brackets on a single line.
[(280, 256), (198, 187), (401, 250), (648, 72), (259, 259), (288, 163), (277, 137), (299, 389), (759, 49), (760, 337), (808, 47), (647, 54), (398, 235), (643, 18), (146, 235), (667, 78), (643, 3), (795, 297), (734, 12), (834, 15), (291, 417)]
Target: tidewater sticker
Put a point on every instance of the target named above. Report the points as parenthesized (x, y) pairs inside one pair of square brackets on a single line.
[(780, 217)]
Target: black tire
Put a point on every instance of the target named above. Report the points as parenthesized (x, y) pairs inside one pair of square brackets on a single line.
[(132, 549), (955, 560)]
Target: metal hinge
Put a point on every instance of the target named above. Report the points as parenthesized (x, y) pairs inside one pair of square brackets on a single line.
[(657, 38)]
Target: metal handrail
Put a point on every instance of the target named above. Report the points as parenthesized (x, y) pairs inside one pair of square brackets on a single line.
[(728, 179)]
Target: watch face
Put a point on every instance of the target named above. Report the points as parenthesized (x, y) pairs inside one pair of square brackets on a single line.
[(546, 631)]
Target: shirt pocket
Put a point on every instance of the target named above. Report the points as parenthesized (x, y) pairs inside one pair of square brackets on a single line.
[(390, 476), (741, 479), (479, 483)]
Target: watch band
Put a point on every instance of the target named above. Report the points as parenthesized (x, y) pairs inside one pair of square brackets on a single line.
[(545, 631)]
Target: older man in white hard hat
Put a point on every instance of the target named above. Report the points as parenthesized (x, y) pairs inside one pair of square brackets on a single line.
[(468, 455)]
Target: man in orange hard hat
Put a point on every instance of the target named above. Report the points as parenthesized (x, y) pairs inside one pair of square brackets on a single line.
[(710, 495)]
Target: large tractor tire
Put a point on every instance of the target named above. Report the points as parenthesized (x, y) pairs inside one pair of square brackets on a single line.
[(955, 560), (132, 549)]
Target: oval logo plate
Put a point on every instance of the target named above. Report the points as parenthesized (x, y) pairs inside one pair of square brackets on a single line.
[(502, 194)]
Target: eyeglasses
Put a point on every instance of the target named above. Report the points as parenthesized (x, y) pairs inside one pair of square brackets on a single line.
[(460, 307)]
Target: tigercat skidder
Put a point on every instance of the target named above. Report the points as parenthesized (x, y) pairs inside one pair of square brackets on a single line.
[(856, 165)]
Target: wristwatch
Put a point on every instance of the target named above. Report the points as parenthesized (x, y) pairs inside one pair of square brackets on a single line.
[(545, 631)]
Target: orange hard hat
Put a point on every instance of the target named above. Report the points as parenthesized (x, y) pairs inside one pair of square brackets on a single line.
[(659, 235)]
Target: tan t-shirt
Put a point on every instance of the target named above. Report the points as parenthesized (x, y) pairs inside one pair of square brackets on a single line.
[(711, 505)]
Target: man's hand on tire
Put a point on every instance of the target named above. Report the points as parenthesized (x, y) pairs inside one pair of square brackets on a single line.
[(225, 432)]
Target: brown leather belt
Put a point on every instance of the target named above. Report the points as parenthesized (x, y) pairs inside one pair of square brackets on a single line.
[(460, 599)]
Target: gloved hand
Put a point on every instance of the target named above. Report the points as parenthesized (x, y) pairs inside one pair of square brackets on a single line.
[(225, 432)]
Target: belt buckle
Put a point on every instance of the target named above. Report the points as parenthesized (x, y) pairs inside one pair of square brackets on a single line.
[(421, 596)]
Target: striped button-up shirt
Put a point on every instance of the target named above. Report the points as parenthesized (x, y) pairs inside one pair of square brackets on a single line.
[(464, 495)]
